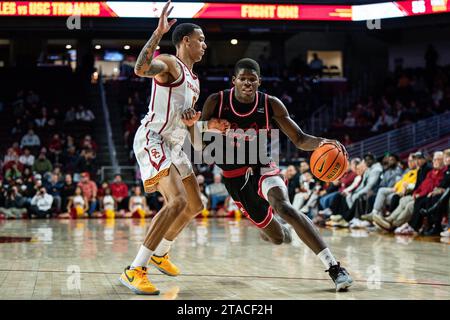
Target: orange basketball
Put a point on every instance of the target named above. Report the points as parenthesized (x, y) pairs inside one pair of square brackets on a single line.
[(328, 163)]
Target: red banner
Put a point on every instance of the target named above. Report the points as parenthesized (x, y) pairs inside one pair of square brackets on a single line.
[(55, 9)]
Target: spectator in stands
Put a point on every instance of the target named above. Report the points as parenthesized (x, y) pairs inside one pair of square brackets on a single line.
[(42, 165), (70, 115), (77, 205), (41, 205), (32, 98), (384, 122), (101, 190), (347, 140), (306, 190), (316, 65), (385, 195), (130, 129), (425, 193), (216, 192), (108, 206), (16, 148), (54, 187), (349, 120), (303, 168), (86, 163), (357, 201), (89, 143), (89, 189), (438, 202), (70, 142), (30, 140), (18, 103), (19, 129), (201, 184), (41, 122), (391, 174), (13, 206), (71, 160), (137, 207), (55, 147), (84, 115), (370, 179), (119, 191), (67, 190), (13, 173), (26, 159), (338, 187), (420, 197), (339, 203), (10, 158), (293, 178)]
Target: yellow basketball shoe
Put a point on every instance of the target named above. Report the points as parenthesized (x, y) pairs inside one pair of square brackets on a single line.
[(137, 281), (164, 265)]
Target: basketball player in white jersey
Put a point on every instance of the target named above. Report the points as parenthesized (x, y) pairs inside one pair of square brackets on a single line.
[(157, 146)]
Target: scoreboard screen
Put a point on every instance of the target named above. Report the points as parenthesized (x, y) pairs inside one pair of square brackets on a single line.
[(245, 11)]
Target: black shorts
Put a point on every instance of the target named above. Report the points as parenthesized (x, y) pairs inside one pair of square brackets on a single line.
[(249, 198)]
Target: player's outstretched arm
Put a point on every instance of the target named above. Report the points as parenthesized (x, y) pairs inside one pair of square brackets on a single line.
[(301, 139), (146, 66)]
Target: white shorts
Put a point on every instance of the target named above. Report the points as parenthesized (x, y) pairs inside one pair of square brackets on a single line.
[(154, 156)]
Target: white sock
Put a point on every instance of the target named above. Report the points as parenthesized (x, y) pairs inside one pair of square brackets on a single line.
[(142, 257), (163, 247), (327, 258)]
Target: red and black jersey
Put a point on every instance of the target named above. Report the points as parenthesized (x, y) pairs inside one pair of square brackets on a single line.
[(244, 117)]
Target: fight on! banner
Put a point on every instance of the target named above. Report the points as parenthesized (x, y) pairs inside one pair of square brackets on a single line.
[(203, 10)]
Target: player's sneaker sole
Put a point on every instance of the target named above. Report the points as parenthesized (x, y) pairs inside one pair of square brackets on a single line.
[(137, 291), (344, 286), (164, 271)]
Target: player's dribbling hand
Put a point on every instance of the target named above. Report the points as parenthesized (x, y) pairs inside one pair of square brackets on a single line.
[(164, 24), (337, 144)]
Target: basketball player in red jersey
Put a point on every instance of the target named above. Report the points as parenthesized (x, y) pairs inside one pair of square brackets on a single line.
[(258, 189), (157, 146)]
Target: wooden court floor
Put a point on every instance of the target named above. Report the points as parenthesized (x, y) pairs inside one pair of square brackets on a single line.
[(219, 259)]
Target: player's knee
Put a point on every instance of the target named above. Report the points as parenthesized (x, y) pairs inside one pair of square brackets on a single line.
[(178, 204)]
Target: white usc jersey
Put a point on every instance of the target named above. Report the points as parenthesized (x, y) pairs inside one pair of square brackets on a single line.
[(159, 139), (167, 103)]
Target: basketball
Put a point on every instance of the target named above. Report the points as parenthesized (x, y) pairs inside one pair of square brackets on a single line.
[(328, 162)]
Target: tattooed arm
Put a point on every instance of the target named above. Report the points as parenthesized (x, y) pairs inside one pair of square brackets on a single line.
[(146, 66)]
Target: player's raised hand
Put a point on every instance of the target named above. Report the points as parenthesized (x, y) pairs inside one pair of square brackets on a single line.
[(190, 116), (164, 24)]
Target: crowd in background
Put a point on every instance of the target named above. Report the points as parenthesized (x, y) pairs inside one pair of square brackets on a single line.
[(382, 193), (409, 95)]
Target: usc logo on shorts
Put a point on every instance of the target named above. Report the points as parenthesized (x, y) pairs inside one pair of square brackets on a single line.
[(155, 153)]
